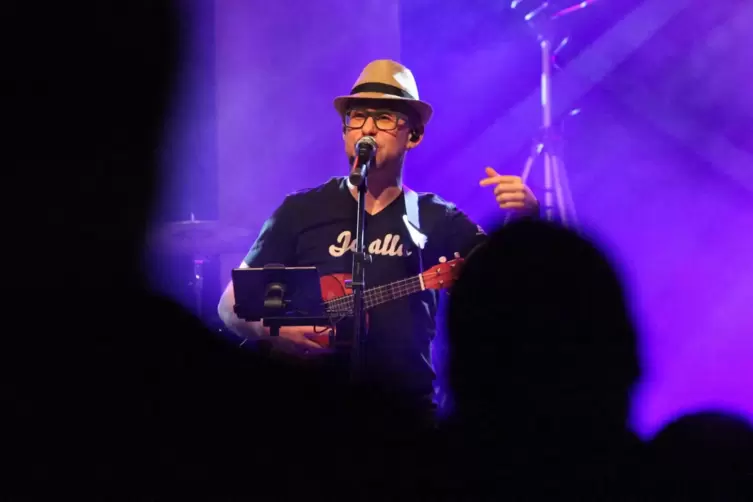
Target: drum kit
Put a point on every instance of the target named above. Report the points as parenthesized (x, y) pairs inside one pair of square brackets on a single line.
[(201, 241)]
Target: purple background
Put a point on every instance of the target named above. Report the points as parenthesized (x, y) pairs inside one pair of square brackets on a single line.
[(660, 159)]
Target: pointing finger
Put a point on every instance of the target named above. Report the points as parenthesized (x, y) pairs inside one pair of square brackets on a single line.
[(491, 172), (496, 180)]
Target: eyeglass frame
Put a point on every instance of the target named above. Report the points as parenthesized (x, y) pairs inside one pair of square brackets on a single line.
[(373, 115)]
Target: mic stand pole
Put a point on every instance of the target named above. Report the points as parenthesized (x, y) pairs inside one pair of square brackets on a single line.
[(547, 150), (358, 283)]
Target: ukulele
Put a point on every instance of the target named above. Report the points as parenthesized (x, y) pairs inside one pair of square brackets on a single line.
[(338, 296)]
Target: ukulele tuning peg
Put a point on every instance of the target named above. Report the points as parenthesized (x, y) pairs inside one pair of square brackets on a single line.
[(442, 259)]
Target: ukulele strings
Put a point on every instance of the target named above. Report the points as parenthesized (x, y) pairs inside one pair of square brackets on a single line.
[(380, 292)]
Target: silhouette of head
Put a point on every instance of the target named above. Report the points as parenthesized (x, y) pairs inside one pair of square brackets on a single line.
[(538, 327), (89, 88), (708, 451)]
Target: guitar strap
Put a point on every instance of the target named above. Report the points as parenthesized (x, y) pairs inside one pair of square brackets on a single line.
[(413, 223)]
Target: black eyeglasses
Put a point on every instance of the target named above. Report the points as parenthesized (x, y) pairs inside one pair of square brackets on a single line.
[(384, 120)]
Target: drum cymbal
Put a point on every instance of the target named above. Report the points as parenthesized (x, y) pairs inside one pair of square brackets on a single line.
[(200, 237)]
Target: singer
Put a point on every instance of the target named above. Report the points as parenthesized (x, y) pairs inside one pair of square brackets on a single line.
[(383, 119)]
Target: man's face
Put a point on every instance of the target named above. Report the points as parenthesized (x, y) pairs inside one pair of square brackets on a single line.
[(388, 127)]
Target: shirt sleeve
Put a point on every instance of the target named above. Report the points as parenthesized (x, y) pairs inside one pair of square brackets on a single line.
[(277, 240), (462, 234)]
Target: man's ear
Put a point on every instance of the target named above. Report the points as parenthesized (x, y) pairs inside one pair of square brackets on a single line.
[(414, 139)]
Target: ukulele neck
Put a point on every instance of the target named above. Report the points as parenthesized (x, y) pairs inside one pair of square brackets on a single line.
[(379, 295)]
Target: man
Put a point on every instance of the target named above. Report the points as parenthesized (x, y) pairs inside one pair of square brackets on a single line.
[(316, 227)]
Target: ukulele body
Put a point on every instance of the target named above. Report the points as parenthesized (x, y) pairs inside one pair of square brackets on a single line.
[(333, 287)]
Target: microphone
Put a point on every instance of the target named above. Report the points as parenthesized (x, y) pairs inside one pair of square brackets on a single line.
[(366, 149)]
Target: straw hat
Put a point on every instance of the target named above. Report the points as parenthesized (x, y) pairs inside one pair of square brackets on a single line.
[(385, 79)]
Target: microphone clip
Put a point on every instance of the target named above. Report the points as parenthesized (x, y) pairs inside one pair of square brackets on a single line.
[(365, 149)]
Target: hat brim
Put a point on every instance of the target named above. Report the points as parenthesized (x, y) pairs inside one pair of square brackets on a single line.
[(423, 108)]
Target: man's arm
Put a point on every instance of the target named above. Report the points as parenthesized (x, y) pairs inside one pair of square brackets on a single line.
[(275, 244), (462, 234), (246, 330)]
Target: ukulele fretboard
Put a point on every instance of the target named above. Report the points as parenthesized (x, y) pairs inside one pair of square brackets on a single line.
[(376, 296)]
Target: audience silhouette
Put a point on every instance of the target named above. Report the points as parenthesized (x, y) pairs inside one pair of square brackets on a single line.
[(111, 387), (542, 358), (706, 455)]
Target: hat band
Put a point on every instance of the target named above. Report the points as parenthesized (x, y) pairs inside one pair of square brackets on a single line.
[(382, 88)]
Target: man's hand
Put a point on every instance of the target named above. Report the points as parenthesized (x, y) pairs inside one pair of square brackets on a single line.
[(510, 192), (297, 341)]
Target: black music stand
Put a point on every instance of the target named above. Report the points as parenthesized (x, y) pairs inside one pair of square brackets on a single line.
[(279, 296)]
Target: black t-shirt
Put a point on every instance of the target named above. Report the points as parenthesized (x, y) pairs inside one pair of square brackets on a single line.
[(316, 227)]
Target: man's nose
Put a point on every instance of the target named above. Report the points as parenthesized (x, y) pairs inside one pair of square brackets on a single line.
[(369, 127)]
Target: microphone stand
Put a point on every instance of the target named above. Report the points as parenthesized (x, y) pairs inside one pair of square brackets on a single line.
[(358, 283), (546, 151)]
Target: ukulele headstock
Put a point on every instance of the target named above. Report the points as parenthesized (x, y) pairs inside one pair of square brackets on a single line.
[(443, 275)]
